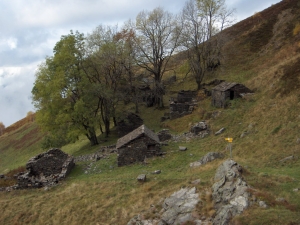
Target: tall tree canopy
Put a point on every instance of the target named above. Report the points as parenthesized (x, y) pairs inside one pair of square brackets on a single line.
[(60, 92), (156, 39)]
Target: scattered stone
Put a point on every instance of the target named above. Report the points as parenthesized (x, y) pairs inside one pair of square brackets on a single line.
[(182, 148), (141, 178), (195, 164), (280, 200), (287, 158), (198, 127), (229, 192), (220, 131), (207, 158), (196, 182), (2, 176), (295, 189), (157, 172), (262, 204), (244, 134)]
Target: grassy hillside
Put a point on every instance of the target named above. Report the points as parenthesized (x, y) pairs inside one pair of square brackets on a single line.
[(262, 52)]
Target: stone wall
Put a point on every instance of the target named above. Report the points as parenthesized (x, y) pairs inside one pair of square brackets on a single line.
[(178, 110), (137, 150)]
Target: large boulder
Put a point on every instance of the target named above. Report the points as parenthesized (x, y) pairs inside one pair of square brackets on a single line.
[(46, 169), (229, 192), (176, 209)]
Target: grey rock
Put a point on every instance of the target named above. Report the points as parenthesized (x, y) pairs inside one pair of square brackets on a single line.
[(196, 182), (280, 200), (287, 158), (141, 178), (176, 209), (207, 158), (198, 127), (229, 192), (295, 189), (262, 204), (182, 148), (157, 172), (220, 131), (244, 134)]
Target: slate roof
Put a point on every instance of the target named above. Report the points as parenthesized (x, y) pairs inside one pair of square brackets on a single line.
[(224, 86), (138, 132)]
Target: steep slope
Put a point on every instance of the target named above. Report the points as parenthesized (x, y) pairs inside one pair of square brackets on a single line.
[(262, 52)]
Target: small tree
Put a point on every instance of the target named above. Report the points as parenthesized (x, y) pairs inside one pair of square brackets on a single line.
[(30, 116), (2, 128)]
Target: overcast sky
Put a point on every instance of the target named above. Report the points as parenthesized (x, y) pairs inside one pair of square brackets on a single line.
[(29, 30)]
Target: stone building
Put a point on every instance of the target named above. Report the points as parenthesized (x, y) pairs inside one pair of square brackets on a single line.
[(226, 91), (139, 144)]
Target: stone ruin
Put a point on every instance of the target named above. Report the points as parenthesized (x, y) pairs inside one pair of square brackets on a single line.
[(46, 169), (183, 105)]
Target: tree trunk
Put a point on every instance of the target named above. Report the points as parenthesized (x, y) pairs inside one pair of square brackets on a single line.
[(91, 135), (107, 125)]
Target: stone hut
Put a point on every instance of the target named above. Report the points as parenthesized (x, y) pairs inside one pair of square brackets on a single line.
[(46, 169), (137, 145), (128, 124), (226, 91)]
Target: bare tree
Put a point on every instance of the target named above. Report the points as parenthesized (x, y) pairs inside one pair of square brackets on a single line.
[(202, 20), (156, 39)]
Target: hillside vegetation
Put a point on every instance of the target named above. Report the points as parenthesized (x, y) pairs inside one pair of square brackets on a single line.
[(262, 52)]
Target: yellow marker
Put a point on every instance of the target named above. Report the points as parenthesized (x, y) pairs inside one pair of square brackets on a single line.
[(229, 139)]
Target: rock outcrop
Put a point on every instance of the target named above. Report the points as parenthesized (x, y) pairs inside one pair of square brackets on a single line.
[(46, 169), (176, 209), (229, 192)]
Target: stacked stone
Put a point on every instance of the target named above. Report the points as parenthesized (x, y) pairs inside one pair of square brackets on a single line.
[(46, 169)]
